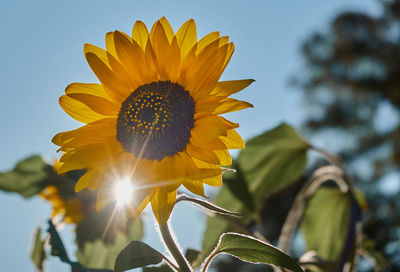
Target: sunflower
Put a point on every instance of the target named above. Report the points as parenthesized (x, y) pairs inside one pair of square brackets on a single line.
[(155, 118)]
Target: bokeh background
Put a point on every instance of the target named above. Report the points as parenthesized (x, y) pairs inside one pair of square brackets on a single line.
[(42, 52)]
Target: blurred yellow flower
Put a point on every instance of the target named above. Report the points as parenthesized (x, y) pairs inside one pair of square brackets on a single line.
[(69, 209), (155, 118)]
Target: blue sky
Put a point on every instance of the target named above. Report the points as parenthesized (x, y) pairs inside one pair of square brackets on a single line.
[(42, 52)]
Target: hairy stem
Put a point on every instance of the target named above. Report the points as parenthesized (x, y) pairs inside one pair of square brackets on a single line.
[(173, 249), (207, 262)]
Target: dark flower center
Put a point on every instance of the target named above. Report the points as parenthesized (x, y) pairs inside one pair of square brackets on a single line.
[(155, 120)]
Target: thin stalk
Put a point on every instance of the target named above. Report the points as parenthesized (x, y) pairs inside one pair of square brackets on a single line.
[(173, 249), (169, 262), (331, 158), (207, 262)]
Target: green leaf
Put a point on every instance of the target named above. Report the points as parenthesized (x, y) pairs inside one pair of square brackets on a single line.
[(105, 235), (29, 177), (57, 246), (238, 187), (38, 255), (58, 249), (252, 250), (272, 161), (326, 220), (269, 163), (206, 205), (137, 254), (191, 255)]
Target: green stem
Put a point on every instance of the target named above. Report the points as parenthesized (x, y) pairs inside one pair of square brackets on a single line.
[(173, 248), (207, 262)]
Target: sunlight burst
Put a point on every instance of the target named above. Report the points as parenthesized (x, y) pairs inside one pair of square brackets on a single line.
[(123, 191)]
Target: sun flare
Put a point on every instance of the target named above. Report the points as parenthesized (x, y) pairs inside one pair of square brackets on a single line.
[(123, 191)]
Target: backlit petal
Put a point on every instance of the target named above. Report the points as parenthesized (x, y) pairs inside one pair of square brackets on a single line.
[(140, 34), (97, 132), (78, 110), (97, 104), (227, 88), (187, 37), (162, 204)]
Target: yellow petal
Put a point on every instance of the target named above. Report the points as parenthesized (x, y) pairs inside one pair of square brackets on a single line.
[(187, 37), (169, 32), (202, 154), (162, 204), (97, 104), (224, 157), (233, 140), (78, 110), (120, 72), (88, 156), (201, 74), (97, 132), (110, 46), (132, 57), (84, 88), (229, 53), (99, 52), (208, 128), (105, 66), (198, 171), (85, 180), (213, 181), (151, 61), (208, 104), (223, 40), (231, 105), (168, 55), (216, 144), (140, 200), (140, 34), (194, 186), (227, 123), (206, 40), (227, 88), (115, 85), (169, 172)]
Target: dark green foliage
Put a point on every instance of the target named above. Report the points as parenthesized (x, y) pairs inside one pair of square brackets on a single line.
[(29, 177), (273, 160), (326, 224), (251, 250), (270, 163), (191, 255), (38, 255), (105, 235), (57, 246), (136, 254), (58, 249)]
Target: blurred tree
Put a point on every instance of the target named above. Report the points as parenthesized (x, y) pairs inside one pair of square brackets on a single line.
[(352, 88)]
